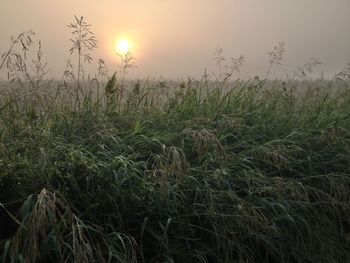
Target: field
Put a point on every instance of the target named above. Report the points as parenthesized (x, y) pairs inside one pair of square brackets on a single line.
[(201, 170), (251, 171)]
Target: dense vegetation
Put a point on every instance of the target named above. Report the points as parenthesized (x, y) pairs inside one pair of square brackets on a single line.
[(211, 170), (196, 172)]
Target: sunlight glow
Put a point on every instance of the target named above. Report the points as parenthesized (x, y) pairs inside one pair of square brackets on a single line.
[(123, 46)]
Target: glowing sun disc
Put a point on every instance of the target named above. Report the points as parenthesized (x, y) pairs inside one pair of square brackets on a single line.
[(123, 46)]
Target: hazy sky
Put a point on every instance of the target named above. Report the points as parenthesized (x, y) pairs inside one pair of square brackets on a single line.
[(177, 38)]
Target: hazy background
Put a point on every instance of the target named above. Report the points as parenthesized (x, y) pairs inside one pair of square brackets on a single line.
[(178, 38)]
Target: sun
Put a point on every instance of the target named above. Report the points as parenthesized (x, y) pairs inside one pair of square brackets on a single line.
[(123, 46)]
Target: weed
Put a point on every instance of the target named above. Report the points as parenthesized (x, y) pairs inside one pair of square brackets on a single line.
[(162, 171)]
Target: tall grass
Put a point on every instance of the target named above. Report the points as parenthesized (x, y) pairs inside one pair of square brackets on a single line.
[(252, 173), (192, 171)]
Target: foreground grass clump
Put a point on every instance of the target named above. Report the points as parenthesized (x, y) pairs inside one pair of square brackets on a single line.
[(254, 173)]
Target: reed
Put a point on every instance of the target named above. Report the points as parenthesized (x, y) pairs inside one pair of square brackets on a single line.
[(206, 170)]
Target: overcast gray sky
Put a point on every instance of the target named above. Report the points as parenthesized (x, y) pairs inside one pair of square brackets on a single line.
[(177, 38)]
